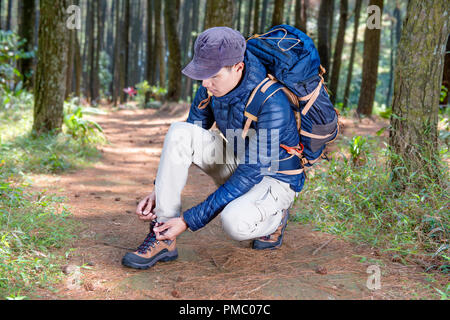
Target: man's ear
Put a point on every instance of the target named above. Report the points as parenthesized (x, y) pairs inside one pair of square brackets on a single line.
[(240, 66)]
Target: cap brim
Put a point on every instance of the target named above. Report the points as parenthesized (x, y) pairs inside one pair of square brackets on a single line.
[(197, 72)]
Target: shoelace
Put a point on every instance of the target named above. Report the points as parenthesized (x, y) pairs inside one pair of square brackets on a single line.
[(149, 240)]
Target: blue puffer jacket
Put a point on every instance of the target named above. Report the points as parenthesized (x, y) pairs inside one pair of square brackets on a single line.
[(228, 112)]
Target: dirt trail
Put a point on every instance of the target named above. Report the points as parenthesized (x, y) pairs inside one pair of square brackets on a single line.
[(210, 265)]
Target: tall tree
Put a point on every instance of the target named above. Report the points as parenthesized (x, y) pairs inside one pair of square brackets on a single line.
[(219, 13), (337, 58), (370, 66), (256, 17), (51, 67), (159, 45), (174, 79), (150, 47), (126, 53), (248, 17), (357, 15), (26, 31), (9, 16), (323, 22), (446, 78), (1, 20), (417, 84), (264, 9), (301, 15), (396, 22), (277, 16), (117, 54)]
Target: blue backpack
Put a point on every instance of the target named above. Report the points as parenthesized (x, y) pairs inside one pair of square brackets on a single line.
[(293, 65)]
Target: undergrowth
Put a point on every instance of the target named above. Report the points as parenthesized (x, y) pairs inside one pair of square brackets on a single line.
[(35, 227), (352, 196)]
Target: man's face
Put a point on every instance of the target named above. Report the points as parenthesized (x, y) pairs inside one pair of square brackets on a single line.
[(225, 80)]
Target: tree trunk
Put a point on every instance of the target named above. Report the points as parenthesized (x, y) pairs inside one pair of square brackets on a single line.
[(219, 13), (238, 18), (417, 84), (358, 6), (78, 67), (446, 78), (159, 45), (170, 21), (91, 51), (51, 67), (395, 39), (277, 16), (370, 67), (70, 64), (26, 31), (323, 34), (9, 16), (1, 10), (264, 9), (337, 58), (247, 18), (301, 16), (126, 44), (117, 51), (256, 28), (150, 48)]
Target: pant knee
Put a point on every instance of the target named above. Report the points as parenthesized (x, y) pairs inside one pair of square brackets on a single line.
[(237, 228)]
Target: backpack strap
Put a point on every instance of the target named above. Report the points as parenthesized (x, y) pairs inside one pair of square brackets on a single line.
[(265, 89)]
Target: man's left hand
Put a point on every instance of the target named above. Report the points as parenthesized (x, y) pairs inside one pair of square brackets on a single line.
[(170, 229)]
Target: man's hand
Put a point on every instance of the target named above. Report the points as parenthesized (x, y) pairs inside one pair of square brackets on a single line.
[(145, 208), (171, 229)]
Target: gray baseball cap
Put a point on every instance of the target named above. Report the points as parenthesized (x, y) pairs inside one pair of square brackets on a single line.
[(214, 49)]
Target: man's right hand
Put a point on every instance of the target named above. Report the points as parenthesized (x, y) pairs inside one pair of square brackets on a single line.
[(145, 208)]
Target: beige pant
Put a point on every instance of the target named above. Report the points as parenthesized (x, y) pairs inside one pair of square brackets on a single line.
[(255, 214)]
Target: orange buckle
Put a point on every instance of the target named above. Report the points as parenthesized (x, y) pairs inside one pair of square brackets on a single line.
[(297, 150)]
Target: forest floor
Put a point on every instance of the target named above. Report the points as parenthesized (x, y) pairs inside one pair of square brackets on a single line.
[(309, 265)]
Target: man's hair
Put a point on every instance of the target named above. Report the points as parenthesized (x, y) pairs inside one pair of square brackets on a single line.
[(231, 67)]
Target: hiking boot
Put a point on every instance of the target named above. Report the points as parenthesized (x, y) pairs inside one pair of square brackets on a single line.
[(274, 240), (150, 252)]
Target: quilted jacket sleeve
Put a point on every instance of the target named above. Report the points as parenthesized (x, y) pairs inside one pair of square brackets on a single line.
[(271, 124), (196, 115)]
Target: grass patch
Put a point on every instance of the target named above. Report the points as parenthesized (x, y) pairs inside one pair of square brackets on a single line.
[(352, 196), (35, 227)]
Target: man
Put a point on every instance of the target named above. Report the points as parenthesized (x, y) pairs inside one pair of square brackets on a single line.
[(252, 201)]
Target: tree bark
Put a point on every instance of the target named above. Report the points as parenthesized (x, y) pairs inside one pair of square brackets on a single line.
[(256, 28), (358, 6), (26, 31), (323, 46), (337, 58), (1, 10), (301, 15), (117, 51), (159, 43), (248, 17), (174, 79), (219, 13), (9, 16), (51, 67), (370, 67), (446, 78), (264, 15), (417, 84), (277, 16)]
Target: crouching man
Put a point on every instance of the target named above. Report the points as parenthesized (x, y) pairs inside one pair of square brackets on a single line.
[(252, 197)]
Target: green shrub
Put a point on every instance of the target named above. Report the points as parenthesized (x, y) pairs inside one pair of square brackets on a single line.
[(31, 227), (360, 203)]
